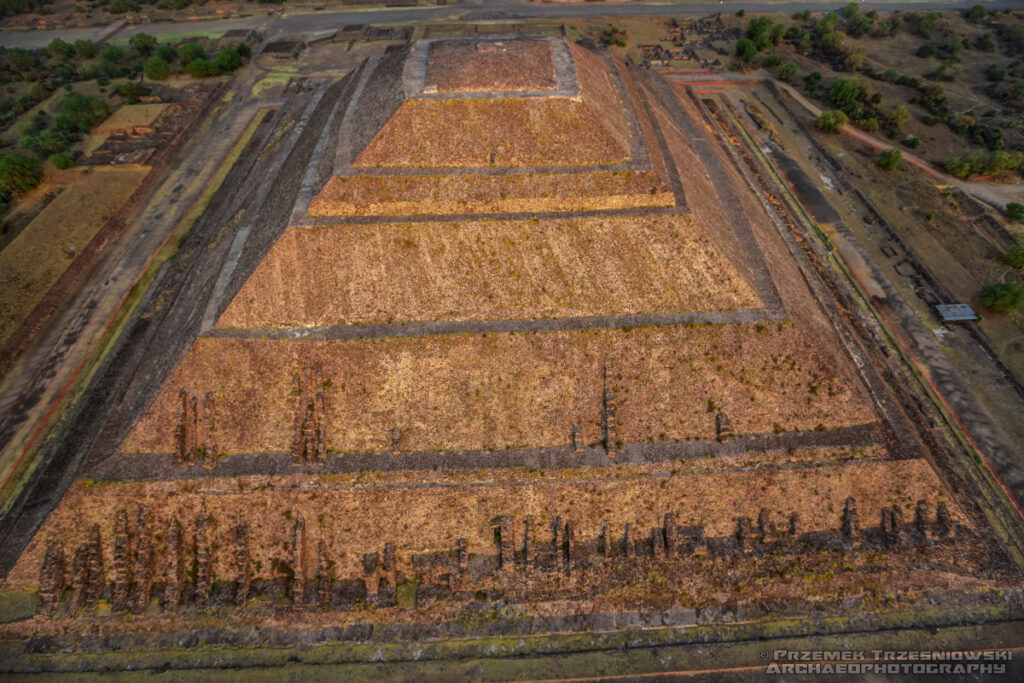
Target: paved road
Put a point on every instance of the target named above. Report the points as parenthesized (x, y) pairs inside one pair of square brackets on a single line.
[(279, 26)]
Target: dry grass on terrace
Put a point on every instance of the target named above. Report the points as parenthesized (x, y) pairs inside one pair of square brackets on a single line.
[(490, 65), (474, 193), (488, 270), (129, 116), (417, 519), (35, 259), (497, 391), (554, 131)]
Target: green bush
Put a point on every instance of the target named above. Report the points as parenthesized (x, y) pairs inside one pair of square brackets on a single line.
[(228, 60), (1015, 211), (976, 14), (899, 117), (842, 92), (890, 159), (62, 160), (143, 43), (202, 68), (190, 52), (831, 121), (745, 49), (1002, 296), (1014, 257), (786, 72), (19, 173), (166, 53), (156, 69)]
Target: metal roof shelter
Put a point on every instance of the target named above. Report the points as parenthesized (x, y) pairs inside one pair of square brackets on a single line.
[(956, 312)]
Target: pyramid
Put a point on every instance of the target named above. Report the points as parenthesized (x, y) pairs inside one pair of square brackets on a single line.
[(527, 335)]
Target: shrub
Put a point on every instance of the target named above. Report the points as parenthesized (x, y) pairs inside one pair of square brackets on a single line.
[(1014, 257), (1002, 296), (19, 173), (745, 49), (228, 60), (890, 158), (842, 92), (831, 121), (62, 160), (189, 52), (59, 49), (976, 14), (156, 69), (143, 43), (1015, 211), (202, 68), (166, 53), (899, 117), (786, 72), (85, 48)]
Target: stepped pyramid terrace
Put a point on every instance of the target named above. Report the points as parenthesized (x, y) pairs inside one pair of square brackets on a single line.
[(529, 351)]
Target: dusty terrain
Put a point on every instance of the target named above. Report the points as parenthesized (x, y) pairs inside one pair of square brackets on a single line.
[(408, 195), (490, 65), (511, 390), (488, 270)]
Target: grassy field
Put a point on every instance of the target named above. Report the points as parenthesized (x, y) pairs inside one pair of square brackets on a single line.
[(468, 193), (36, 258), (496, 391), (129, 116), (355, 520), (488, 270)]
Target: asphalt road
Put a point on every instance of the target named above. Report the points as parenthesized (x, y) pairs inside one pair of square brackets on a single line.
[(279, 26)]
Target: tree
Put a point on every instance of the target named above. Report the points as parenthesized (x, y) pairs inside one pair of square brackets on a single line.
[(1014, 257), (850, 11), (143, 43), (842, 92), (202, 68), (113, 53), (85, 49), (84, 111), (189, 52), (167, 53), (831, 121), (899, 117), (854, 60), (228, 60), (787, 72), (156, 69), (745, 49), (1002, 296), (62, 160), (976, 14), (890, 159), (19, 173), (1015, 211), (59, 49)]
